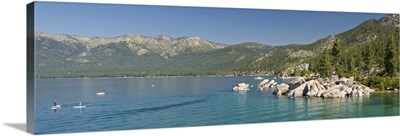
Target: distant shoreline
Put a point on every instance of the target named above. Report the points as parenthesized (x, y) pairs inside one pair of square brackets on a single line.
[(157, 77), (132, 77)]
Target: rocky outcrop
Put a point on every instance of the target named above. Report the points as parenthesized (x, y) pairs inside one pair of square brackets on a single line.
[(241, 87), (390, 20), (326, 88), (332, 93), (350, 81), (281, 89), (316, 89), (262, 83), (266, 84), (299, 91), (296, 83)]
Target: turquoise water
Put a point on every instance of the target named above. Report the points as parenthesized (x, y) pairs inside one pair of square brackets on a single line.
[(133, 103)]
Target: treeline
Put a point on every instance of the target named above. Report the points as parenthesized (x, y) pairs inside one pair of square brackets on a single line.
[(368, 52), (376, 64), (121, 62)]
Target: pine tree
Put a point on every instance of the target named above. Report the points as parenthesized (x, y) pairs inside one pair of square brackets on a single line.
[(325, 64), (391, 58), (337, 55), (359, 62), (351, 66), (368, 59)]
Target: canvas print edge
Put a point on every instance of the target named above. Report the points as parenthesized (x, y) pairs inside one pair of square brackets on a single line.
[(29, 78)]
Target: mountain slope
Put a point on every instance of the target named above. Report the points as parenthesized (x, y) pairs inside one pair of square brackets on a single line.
[(163, 45), (354, 41), (136, 55), (61, 55)]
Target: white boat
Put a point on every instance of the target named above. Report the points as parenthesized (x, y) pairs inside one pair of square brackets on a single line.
[(80, 106), (101, 93), (55, 107), (258, 78)]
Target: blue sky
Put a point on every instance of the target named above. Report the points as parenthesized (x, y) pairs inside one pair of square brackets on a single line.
[(221, 25)]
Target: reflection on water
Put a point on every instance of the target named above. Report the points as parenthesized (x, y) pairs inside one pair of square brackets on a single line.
[(242, 107), (134, 103)]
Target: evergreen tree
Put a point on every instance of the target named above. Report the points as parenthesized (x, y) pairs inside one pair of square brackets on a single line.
[(368, 59), (325, 64), (391, 58), (337, 55), (351, 66)]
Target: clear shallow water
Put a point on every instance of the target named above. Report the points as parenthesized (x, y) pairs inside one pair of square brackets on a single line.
[(132, 103)]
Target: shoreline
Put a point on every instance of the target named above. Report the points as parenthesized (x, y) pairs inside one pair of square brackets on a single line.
[(132, 77), (155, 77)]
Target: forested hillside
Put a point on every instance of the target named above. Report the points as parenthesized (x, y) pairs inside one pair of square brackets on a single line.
[(67, 56), (374, 33), (364, 51)]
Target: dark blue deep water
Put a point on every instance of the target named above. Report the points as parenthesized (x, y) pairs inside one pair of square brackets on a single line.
[(133, 103)]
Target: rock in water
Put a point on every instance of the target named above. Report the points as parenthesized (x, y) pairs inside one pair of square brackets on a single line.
[(300, 90), (314, 87), (281, 89), (332, 93), (347, 90), (269, 84), (313, 91), (326, 88), (306, 89), (266, 84), (320, 92), (262, 83), (241, 87), (298, 81), (274, 84)]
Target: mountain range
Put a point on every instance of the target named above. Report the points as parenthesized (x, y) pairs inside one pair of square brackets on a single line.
[(69, 56)]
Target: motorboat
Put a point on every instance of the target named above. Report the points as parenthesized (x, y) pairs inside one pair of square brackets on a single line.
[(258, 78), (79, 106), (101, 93)]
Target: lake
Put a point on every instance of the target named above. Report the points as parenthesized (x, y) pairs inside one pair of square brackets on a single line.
[(134, 103)]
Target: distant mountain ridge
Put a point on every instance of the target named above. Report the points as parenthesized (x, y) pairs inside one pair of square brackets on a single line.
[(164, 45), (62, 55)]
